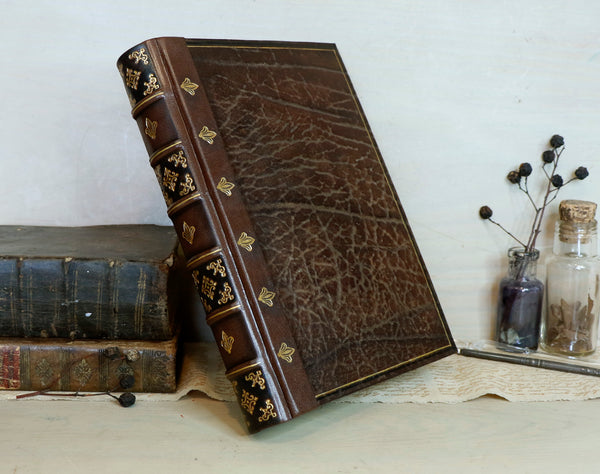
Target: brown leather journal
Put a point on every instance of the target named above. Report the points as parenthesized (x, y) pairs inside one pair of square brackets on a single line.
[(303, 258)]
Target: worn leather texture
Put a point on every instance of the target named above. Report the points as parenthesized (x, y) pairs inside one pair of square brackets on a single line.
[(90, 366), (331, 228), (310, 278), (97, 282)]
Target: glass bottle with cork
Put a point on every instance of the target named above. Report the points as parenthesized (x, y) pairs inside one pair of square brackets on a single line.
[(570, 325)]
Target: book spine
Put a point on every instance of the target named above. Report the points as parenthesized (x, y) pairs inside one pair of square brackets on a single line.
[(188, 156), (85, 299), (90, 366)]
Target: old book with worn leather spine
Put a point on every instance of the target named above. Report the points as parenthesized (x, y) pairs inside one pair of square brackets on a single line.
[(90, 366), (302, 255), (97, 282)]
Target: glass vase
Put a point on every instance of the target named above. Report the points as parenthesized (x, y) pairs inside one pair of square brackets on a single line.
[(520, 302)]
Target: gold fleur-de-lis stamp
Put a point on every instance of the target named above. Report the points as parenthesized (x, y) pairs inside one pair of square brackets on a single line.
[(151, 127), (245, 241), (225, 186), (286, 352), (189, 86), (188, 232), (207, 135), (227, 342), (266, 296), (208, 287)]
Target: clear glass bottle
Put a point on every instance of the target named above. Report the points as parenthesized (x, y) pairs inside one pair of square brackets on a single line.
[(520, 302), (570, 325)]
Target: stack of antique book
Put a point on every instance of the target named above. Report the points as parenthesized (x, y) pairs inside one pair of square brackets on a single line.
[(287, 220), (89, 309)]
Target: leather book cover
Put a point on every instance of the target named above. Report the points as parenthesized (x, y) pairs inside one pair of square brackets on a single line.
[(301, 252), (88, 366), (97, 282)]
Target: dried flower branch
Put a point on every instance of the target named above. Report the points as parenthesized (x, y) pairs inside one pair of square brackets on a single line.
[(555, 182)]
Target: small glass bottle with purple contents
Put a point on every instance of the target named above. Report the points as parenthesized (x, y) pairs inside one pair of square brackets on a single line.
[(520, 302)]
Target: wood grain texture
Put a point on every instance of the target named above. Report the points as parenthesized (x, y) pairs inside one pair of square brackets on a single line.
[(485, 435)]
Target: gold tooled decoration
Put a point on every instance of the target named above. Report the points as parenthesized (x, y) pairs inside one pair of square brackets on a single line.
[(207, 307), (225, 186), (207, 135), (139, 55), (152, 85), (187, 185), (248, 401), (188, 232), (227, 342), (188, 86), (226, 294), (257, 379), (151, 127), (169, 180), (195, 275), (267, 412), (217, 267), (82, 372), (132, 78), (208, 287), (44, 372), (178, 159), (245, 241), (266, 296), (286, 352)]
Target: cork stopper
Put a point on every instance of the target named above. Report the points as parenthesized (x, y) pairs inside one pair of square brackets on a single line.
[(577, 220), (573, 210)]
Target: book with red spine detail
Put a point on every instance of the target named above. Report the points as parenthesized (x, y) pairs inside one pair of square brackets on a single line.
[(63, 365)]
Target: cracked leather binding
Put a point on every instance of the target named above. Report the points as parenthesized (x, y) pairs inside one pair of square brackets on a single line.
[(305, 264), (53, 364), (95, 282)]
